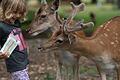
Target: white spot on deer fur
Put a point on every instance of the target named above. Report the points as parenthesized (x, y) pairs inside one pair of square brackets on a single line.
[(116, 38), (116, 41), (116, 34), (107, 24), (101, 42), (108, 29), (112, 43), (105, 34)]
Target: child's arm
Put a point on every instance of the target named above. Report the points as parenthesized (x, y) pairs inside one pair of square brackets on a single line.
[(3, 55)]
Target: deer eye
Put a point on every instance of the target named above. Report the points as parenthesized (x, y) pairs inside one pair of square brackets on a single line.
[(43, 16), (59, 41)]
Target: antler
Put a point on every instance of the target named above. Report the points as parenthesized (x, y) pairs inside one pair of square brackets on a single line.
[(79, 26), (58, 18), (86, 25), (76, 9), (43, 2)]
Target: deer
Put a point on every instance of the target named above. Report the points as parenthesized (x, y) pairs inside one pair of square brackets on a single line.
[(47, 17), (103, 47)]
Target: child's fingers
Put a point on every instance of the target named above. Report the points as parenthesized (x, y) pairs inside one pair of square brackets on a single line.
[(3, 55)]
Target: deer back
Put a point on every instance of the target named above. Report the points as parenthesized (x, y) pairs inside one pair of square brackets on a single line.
[(105, 38)]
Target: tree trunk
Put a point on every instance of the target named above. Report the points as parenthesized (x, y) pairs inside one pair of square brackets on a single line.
[(77, 2), (94, 1), (109, 1), (118, 4)]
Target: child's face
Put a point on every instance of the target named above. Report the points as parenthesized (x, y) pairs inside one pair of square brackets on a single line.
[(15, 9)]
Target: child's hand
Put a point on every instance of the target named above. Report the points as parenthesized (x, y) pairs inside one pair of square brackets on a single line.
[(3, 55)]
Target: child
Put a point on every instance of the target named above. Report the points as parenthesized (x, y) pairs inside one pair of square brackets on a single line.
[(13, 11)]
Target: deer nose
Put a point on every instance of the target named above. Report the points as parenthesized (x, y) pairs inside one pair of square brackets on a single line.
[(40, 48), (27, 30)]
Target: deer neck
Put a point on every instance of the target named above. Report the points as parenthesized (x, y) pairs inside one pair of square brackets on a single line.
[(90, 47), (54, 23)]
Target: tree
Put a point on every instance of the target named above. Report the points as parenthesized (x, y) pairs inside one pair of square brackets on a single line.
[(110, 1), (118, 3), (94, 1), (77, 2)]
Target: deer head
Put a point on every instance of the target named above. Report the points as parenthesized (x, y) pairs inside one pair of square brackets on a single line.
[(65, 35), (44, 17), (62, 34), (47, 17)]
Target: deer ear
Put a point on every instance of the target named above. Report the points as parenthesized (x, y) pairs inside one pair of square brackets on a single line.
[(80, 26), (55, 5), (43, 2), (39, 11), (42, 8)]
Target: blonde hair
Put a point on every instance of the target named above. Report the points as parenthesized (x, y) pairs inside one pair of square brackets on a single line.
[(13, 9)]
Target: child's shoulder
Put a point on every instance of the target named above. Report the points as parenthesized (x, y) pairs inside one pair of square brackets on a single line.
[(2, 24), (5, 26)]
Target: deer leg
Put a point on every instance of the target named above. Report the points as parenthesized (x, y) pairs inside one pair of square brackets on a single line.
[(59, 71), (103, 76), (66, 72), (101, 72), (118, 71), (76, 70), (58, 77)]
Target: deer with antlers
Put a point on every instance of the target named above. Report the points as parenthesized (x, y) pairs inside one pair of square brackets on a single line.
[(47, 17), (103, 47)]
